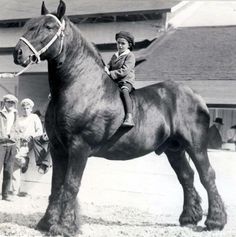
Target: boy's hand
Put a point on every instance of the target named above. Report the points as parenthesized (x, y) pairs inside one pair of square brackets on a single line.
[(107, 70)]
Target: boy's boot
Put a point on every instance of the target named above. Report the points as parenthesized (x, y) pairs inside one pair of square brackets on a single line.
[(128, 122)]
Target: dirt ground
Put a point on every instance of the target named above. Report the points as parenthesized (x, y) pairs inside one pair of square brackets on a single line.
[(137, 198)]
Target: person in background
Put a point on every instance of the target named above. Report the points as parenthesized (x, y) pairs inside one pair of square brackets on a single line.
[(41, 149), (28, 126), (230, 143), (231, 134), (38, 113), (121, 69), (214, 136), (8, 138)]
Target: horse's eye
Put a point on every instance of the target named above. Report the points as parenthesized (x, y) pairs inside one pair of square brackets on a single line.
[(32, 28), (49, 27)]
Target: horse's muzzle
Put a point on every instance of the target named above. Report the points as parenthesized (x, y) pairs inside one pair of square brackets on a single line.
[(17, 54), (21, 58)]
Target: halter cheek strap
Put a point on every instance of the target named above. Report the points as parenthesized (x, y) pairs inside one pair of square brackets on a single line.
[(60, 32)]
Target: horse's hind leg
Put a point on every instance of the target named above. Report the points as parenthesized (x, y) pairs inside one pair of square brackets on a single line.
[(192, 211), (217, 217)]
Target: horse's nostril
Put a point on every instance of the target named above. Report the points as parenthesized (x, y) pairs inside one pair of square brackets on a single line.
[(19, 52), (34, 58)]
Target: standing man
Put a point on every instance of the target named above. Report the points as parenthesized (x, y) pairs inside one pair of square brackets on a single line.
[(8, 137)]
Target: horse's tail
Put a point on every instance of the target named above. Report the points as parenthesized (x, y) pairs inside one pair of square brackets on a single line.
[(201, 116), (202, 109), (198, 100)]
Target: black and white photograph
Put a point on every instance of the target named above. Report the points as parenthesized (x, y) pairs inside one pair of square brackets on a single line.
[(117, 118)]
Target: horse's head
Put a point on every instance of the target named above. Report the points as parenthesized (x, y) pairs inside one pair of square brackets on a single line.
[(43, 38)]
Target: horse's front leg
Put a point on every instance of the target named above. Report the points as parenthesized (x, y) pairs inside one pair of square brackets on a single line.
[(59, 160), (68, 224)]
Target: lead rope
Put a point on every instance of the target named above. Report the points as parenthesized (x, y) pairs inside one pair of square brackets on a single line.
[(12, 75)]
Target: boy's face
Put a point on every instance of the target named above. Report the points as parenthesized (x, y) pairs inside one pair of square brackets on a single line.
[(122, 45), (26, 109)]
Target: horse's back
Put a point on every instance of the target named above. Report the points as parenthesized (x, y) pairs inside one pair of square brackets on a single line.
[(172, 104), (170, 93)]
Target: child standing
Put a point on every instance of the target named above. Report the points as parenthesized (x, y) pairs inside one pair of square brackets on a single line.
[(121, 70), (28, 126)]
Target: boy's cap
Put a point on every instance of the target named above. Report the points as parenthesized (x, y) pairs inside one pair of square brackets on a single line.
[(126, 35)]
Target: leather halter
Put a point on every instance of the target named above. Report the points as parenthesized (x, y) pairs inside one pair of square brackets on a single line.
[(36, 53)]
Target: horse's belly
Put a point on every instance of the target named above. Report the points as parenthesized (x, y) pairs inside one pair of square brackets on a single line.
[(131, 146), (117, 154)]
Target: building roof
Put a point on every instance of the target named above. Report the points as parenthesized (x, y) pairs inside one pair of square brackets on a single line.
[(24, 9), (198, 53), (202, 57)]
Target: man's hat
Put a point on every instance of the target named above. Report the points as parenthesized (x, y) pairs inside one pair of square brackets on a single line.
[(10, 97), (233, 127), (126, 35), (219, 120)]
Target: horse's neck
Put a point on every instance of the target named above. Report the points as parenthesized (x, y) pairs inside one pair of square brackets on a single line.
[(78, 64)]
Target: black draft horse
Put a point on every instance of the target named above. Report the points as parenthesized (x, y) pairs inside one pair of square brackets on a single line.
[(84, 119)]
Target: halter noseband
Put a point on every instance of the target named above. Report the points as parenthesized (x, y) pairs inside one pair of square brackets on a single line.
[(45, 48)]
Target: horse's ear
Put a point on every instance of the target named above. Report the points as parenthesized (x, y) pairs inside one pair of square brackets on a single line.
[(61, 10), (44, 10)]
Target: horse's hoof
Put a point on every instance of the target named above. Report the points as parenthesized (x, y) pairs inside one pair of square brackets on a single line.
[(43, 225), (217, 220), (190, 218), (58, 229), (214, 225)]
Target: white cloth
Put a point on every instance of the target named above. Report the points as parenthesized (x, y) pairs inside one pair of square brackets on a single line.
[(29, 126), (127, 51)]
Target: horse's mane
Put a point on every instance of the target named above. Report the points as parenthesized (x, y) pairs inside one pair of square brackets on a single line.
[(88, 47)]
